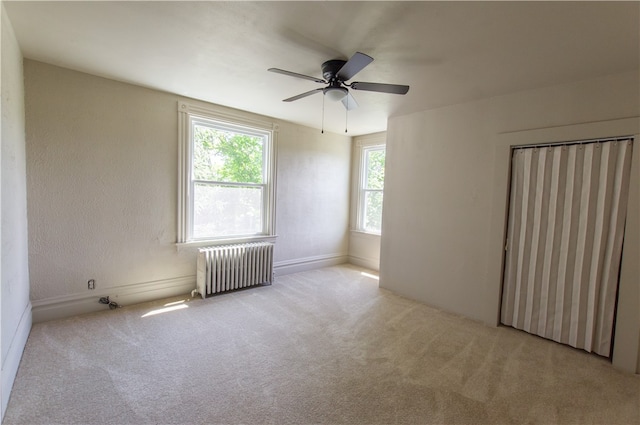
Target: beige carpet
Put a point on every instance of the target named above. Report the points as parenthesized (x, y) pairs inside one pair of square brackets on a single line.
[(320, 347)]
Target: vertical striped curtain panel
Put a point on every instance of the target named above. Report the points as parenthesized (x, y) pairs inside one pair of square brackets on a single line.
[(564, 242)]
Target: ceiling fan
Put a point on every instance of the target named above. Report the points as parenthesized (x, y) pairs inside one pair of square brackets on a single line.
[(336, 73)]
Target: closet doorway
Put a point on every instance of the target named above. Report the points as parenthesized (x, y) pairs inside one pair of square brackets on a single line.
[(566, 220)]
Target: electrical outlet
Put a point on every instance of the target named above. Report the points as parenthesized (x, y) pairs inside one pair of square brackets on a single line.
[(91, 284)]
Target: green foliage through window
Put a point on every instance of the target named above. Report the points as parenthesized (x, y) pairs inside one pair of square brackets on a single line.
[(226, 156), (375, 169)]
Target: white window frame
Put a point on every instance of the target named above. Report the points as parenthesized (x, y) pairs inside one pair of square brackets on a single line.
[(363, 146), (190, 115)]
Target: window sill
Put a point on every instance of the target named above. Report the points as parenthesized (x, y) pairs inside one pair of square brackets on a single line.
[(365, 233), (183, 246)]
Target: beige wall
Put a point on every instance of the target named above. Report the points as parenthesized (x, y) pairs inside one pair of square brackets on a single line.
[(312, 198), (364, 250), (102, 185), (446, 191), (14, 270)]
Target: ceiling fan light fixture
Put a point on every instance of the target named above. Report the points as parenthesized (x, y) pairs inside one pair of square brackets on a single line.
[(335, 94)]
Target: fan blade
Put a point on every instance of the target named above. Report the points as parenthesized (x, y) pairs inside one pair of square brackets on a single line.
[(382, 88), (349, 102), (295, 74), (354, 65), (305, 94)]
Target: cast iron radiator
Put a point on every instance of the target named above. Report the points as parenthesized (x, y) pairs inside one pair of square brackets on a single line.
[(229, 267)]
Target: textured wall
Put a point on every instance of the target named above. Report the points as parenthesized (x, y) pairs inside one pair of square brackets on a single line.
[(444, 189), (102, 185), (437, 206), (14, 270), (312, 199)]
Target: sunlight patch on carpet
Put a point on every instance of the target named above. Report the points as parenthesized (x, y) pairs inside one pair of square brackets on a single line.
[(173, 306), (372, 276)]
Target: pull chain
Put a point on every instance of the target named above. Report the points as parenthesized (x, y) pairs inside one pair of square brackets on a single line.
[(322, 131), (346, 115)]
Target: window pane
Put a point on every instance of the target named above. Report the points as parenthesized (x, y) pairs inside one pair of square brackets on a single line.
[(226, 156), (226, 210), (375, 169), (373, 211)]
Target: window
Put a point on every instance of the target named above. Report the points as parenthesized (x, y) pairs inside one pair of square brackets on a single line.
[(371, 187), (226, 177)]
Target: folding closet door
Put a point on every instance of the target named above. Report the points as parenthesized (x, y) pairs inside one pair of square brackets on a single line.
[(564, 242)]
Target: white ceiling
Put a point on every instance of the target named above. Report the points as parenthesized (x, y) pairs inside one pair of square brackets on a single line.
[(448, 52)]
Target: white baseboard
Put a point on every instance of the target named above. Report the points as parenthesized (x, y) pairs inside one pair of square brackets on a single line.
[(14, 355), (72, 305), (308, 263), (367, 263)]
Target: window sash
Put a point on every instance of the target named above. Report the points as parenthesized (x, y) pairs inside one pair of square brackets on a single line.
[(228, 221), (226, 127), (362, 222)]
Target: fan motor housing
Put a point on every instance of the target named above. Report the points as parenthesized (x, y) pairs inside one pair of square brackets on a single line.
[(330, 68)]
